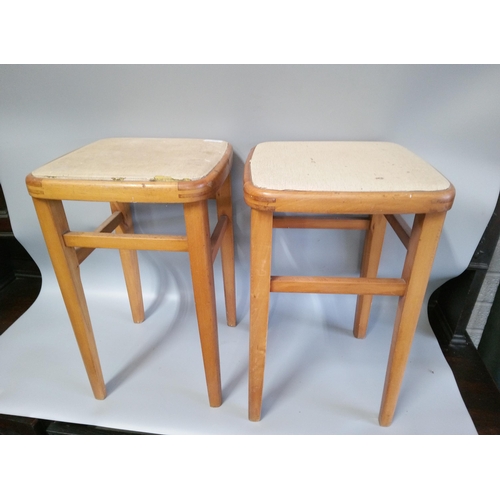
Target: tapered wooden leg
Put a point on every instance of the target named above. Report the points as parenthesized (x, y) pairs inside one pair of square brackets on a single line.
[(225, 207), (260, 283), (200, 257), (54, 224), (372, 251), (130, 264), (422, 247)]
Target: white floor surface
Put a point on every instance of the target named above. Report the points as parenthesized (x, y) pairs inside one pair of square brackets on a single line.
[(319, 378)]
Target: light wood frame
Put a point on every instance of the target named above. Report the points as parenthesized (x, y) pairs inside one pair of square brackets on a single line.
[(68, 249), (378, 208)]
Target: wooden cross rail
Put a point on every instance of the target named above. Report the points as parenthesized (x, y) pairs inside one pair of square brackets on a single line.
[(401, 228), (322, 284), (87, 242)]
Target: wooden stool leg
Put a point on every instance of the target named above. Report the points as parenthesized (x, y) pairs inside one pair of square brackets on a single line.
[(225, 207), (200, 257), (372, 251), (260, 283), (130, 264), (54, 224), (422, 247)]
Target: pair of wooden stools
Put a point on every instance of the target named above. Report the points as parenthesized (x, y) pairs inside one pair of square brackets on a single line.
[(332, 185)]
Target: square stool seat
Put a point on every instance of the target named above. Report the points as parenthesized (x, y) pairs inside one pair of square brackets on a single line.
[(368, 184), (137, 159), (344, 177), (122, 171)]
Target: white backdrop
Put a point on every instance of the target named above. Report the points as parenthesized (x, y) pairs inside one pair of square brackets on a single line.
[(448, 115)]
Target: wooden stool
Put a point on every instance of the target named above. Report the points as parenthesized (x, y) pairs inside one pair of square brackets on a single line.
[(124, 171), (375, 179)]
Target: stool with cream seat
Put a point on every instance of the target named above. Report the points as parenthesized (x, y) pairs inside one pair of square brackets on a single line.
[(139, 170), (366, 184)]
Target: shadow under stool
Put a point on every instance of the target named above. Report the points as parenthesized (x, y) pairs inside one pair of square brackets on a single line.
[(344, 185), (139, 170)]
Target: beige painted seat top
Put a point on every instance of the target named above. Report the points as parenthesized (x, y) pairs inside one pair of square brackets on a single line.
[(349, 166), (137, 159)]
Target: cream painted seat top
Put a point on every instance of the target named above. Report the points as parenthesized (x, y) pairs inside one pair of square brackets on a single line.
[(137, 159), (350, 166)]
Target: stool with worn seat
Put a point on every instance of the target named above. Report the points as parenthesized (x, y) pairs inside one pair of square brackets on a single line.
[(366, 184), (139, 170)]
